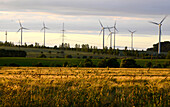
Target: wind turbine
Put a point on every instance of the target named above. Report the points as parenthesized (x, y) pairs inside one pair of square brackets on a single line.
[(44, 28), (160, 25), (21, 28), (132, 32), (6, 34), (103, 30), (115, 29), (63, 36)]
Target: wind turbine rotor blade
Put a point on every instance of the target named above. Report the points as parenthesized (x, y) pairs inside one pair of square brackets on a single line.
[(46, 28), (116, 29), (163, 19), (25, 28), (100, 32), (134, 31), (154, 23), (100, 23), (20, 23), (109, 29), (43, 24), (130, 31), (115, 24), (18, 30), (42, 29)]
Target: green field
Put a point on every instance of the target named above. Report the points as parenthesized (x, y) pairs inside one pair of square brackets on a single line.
[(90, 87), (71, 61), (36, 52)]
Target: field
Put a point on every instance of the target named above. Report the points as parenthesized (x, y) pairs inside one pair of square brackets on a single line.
[(50, 62), (50, 86)]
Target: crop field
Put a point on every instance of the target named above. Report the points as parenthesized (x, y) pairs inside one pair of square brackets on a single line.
[(52, 86)]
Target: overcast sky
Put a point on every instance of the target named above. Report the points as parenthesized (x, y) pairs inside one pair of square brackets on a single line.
[(81, 17)]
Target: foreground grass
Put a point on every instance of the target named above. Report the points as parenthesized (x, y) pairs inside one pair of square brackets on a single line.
[(32, 86), (71, 61)]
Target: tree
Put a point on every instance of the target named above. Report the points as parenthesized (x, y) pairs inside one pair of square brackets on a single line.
[(168, 55), (113, 63), (88, 63), (102, 63), (128, 63)]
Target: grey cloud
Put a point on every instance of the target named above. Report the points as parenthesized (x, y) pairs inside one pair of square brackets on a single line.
[(90, 7)]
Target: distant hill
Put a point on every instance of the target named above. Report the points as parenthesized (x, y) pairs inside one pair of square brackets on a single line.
[(165, 47)]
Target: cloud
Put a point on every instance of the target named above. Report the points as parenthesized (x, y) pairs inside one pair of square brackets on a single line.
[(90, 7)]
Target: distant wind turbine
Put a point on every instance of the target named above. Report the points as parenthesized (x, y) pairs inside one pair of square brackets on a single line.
[(44, 28), (115, 30), (6, 35), (160, 25), (103, 30), (21, 28), (132, 32), (63, 36)]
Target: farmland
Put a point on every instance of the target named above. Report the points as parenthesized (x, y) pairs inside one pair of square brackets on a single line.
[(54, 86), (71, 61)]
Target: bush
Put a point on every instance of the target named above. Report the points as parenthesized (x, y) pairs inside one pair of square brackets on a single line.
[(129, 63), (157, 66), (65, 64), (68, 56), (39, 64), (102, 63), (14, 65), (84, 57), (42, 56), (88, 63), (113, 63), (168, 55), (148, 64)]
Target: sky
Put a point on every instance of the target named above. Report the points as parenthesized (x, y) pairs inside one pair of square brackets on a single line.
[(81, 19)]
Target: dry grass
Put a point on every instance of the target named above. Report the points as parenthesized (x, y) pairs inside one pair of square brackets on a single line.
[(40, 86)]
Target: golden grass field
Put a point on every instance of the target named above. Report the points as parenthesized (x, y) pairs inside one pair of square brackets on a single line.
[(51, 86)]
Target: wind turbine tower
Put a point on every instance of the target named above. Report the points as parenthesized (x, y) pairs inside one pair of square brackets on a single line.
[(44, 28), (160, 25), (6, 35), (63, 31), (132, 32), (115, 30), (103, 30), (21, 29)]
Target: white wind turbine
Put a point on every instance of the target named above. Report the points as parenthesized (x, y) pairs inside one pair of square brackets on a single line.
[(44, 28), (6, 34), (63, 31), (103, 30), (160, 25), (114, 32), (21, 28), (132, 32)]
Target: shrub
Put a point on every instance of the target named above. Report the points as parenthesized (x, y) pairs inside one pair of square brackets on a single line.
[(14, 65), (148, 64), (88, 63), (84, 57), (128, 63), (65, 64), (39, 64), (42, 56), (113, 63), (157, 66), (68, 56), (102, 63), (168, 55)]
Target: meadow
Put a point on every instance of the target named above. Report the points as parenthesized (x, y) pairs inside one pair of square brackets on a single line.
[(66, 86)]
